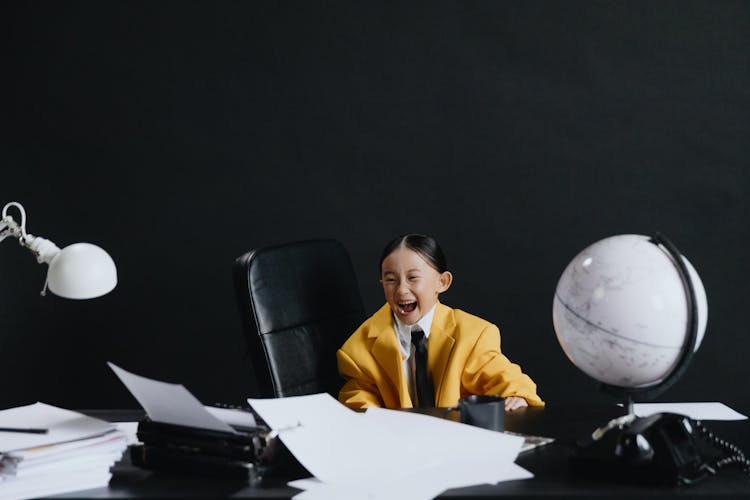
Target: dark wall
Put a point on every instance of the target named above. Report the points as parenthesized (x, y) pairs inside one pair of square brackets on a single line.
[(178, 135)]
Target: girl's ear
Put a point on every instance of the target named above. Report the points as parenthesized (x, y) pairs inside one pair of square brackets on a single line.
[(445, 281)]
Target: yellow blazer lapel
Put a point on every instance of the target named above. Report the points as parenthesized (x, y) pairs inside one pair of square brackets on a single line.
[(440, 346), (387, 353)]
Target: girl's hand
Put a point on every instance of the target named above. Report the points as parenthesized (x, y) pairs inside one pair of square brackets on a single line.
[(514, 402)]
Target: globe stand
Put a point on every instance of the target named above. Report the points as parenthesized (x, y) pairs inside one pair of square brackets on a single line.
[(654, 448)]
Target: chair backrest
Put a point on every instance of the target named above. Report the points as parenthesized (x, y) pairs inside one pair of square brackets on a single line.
[(298, 303)]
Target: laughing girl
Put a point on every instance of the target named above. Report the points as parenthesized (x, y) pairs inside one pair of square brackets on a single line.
[(380, 361)]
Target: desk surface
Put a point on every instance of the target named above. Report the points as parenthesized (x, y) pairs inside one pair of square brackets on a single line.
[(549, 465)]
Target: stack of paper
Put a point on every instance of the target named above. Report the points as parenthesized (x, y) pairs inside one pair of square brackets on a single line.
[(75, 453)]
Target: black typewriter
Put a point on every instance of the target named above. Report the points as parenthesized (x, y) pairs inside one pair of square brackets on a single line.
[(250, 454)]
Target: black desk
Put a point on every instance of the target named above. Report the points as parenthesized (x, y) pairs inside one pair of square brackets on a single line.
[(549, 465)]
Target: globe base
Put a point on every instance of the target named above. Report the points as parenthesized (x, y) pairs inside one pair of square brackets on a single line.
[(663, 448)]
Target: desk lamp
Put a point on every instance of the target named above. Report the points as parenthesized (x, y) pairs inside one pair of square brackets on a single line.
[(78, 271)]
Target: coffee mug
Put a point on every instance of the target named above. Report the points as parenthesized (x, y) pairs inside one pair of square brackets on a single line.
[(487, 412)]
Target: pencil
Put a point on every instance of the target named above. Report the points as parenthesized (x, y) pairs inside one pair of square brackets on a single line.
[(26, 430)]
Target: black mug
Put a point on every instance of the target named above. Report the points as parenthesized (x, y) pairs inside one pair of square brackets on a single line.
[(487, 412)]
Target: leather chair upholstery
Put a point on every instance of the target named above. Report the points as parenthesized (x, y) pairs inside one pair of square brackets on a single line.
[(298, 303)]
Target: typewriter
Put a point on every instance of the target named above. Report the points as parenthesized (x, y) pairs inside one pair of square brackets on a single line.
[(251, 454)]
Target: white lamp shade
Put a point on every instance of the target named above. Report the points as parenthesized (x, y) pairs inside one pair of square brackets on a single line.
[(81, 271)]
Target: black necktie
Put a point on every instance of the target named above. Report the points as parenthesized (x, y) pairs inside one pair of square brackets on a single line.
[(425, 396)]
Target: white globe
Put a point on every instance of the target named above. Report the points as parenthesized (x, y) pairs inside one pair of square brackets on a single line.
[(620, 311)]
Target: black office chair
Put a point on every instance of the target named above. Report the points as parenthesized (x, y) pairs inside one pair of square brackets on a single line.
[(298, 303)]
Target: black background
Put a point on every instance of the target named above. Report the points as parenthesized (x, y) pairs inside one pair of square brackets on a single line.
[(178, 135)]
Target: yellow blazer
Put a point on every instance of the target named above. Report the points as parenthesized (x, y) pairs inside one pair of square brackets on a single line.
[(463, 358)]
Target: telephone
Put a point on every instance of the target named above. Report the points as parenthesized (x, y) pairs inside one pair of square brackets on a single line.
[(661, 448)]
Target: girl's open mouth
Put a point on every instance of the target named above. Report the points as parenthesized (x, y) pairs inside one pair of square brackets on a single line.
[(407, 307)]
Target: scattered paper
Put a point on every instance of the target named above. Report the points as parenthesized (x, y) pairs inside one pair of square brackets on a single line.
[(697, 411), (384, 454), (169, 403), (327, 438)]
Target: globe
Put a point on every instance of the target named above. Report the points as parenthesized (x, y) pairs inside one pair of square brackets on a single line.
[(621, 311)]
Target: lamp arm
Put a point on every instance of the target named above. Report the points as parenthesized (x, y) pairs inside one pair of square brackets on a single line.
[(43, 248), (8, 227), (4, 231)]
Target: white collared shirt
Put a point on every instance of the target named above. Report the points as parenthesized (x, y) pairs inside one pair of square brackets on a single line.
[(403, 334)]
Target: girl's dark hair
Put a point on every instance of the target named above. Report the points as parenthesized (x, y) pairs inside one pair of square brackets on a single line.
[(425, 246)]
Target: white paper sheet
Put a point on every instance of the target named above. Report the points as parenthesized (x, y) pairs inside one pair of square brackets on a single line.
[(698, 411), (438, 440), (327, 438), (305, 483), (169, 403), (238, 418), (15, 488), (130, 429), (385, 453), (413, 487), (109, 442), (452, 454), (63, 425)]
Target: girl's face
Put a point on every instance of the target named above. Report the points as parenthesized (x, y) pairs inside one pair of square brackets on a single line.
[(411, 285)]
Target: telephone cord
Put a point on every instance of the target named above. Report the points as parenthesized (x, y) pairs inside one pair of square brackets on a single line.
[(734, 455)]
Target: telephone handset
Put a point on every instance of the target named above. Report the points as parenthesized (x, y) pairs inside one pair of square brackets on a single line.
[(661, 448)]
